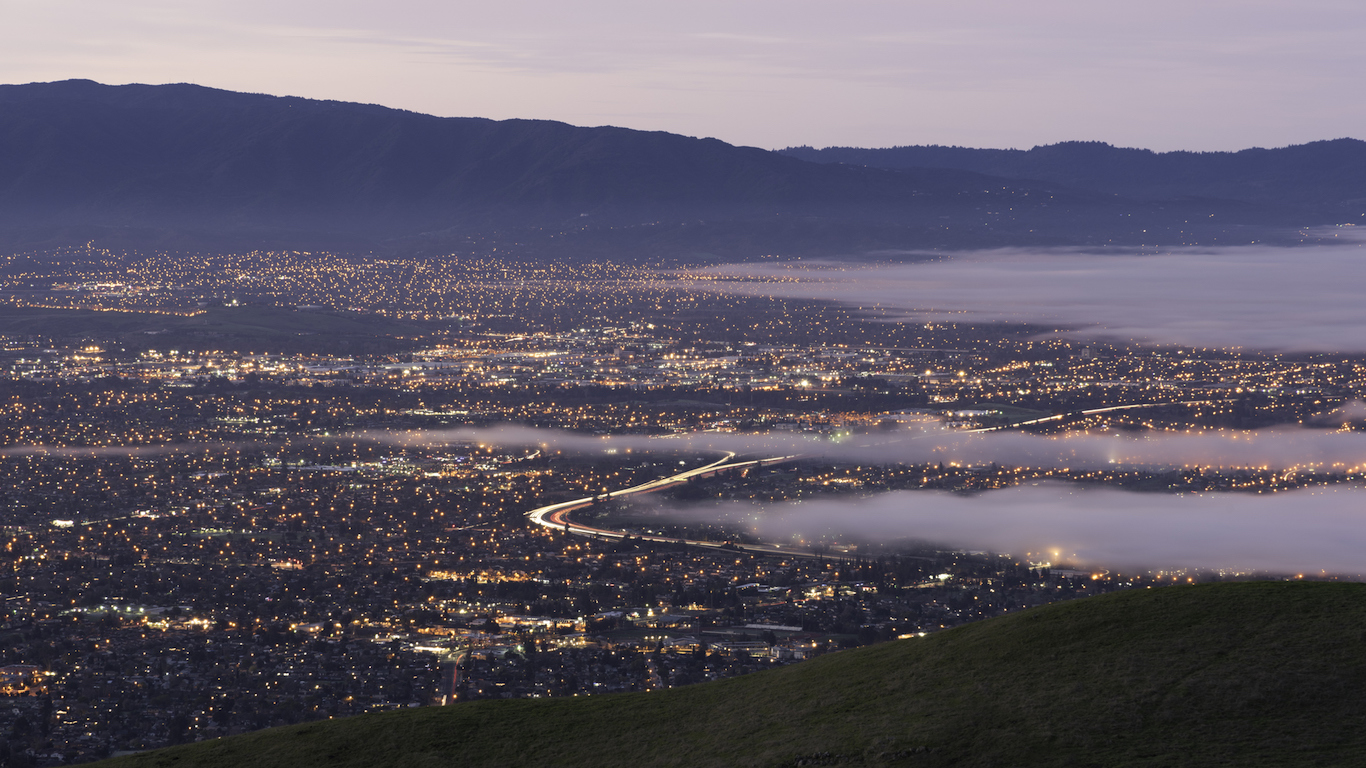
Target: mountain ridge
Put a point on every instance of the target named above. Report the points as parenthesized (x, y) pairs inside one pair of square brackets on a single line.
[(158, 162), (1328, 174), (501, 158)]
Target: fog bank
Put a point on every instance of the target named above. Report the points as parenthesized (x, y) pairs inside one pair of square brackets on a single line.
[(1305, 531), (1277, 448), (1257, 297)]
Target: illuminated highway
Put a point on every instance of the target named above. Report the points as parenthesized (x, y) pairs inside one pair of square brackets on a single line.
[(556, 516), (1088, 412)]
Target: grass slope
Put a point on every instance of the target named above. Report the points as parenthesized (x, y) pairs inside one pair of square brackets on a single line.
[(1245, 674)]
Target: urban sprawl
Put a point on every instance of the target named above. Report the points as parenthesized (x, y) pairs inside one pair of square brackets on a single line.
[(250, 490)]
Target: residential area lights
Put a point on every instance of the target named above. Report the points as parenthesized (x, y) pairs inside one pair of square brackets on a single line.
[(209, 525)]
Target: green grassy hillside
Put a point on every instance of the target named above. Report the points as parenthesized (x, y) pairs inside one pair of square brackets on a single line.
[(1246, 674)]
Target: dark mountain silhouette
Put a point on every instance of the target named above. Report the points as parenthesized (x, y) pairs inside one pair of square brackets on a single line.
[(187, 164), (183, 150), (1326, 176)]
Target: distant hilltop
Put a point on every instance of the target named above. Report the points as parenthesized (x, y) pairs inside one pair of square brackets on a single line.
[(184, 164)]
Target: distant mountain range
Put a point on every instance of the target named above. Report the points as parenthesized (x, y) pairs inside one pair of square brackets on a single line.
[(184, 164), (1324, 176)]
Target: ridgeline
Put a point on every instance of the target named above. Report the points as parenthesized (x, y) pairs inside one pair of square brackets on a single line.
[(1245, 674), (186, 167), (1327, 176)]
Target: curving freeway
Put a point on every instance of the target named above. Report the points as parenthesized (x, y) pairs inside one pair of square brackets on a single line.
[(556, 516)]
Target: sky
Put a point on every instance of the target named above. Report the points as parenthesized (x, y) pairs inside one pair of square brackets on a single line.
[(1160, 74)]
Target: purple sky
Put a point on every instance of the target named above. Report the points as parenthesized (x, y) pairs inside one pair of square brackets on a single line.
[(1161, 74)]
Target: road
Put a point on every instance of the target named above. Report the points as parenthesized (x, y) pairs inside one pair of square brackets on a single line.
[(556, 516), (1089, 412)]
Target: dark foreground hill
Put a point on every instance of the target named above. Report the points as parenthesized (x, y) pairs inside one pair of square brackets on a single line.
[(1247, 674), (183, 164)]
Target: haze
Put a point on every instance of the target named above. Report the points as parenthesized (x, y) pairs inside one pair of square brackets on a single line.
[(1296, 532), (1255, 297), (1275, 448)]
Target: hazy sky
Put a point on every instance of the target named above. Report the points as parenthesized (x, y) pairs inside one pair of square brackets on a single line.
[(1162, 74)]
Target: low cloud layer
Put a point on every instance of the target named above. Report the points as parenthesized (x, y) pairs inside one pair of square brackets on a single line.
[(509, 436), (1279, 448), (1257, 297), (1306, 531), (1276, 448)]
